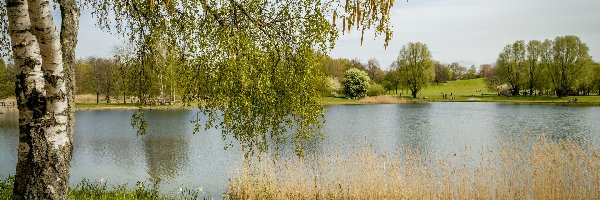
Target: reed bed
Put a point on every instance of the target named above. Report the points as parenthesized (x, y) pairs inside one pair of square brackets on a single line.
[(384, 99), (537, 169)]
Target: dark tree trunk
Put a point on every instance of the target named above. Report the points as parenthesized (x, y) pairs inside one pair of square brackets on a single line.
[(414, 93), (531, 91), (97, 97)]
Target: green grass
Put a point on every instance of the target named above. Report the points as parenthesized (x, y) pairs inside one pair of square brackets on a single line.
[(121, 106), (457, 88), (99, 190), (475, 90), (337, 101)]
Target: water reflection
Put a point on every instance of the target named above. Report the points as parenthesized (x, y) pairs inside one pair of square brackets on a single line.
[(166, 144)]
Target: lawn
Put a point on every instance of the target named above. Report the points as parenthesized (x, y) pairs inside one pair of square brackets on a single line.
[(476, 90)]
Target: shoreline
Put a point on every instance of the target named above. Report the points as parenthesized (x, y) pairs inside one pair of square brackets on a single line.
[(542, 100), (378, 100)]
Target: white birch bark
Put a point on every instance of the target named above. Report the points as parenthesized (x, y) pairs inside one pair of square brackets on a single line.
[(44, 154)]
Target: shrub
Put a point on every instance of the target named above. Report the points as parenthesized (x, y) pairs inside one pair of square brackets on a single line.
[(356, 83), (6, 187), (375, 90), (329, 87)]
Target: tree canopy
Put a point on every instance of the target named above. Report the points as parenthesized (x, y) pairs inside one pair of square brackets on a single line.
[(356, 83), (562, 65), (252, 81), (415, 67)]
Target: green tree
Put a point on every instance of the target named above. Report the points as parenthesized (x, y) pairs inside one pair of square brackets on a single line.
[(485, 70), (375, 90), (102, 77), (471, 73), (7, 80), (510, 63), (442, 73), (570, 61), (355, 63), (596, 76), (258, 79), (392, 79), (533, 67), (415, 66), (546, 58), (335, 67), (82, 71), (375, 73), (356, 83), (458, 72)]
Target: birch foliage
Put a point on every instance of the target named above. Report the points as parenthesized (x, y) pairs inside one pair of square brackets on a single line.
[(250, 66)]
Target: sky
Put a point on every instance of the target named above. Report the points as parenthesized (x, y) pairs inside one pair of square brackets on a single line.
[(470, 32)]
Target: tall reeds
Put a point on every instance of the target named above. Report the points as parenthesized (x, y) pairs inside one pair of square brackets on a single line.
[(539, 169)]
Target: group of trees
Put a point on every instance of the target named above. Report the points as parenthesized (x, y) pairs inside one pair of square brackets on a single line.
[(413, 70), (454, 71), (561, 66), (122, 78), (335, 72)]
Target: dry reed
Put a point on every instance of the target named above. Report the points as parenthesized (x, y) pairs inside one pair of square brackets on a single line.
[(385, 99), (540, 169)]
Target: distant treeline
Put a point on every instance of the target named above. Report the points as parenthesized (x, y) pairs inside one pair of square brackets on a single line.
[(391, 79), (561, 67), (111, 79)]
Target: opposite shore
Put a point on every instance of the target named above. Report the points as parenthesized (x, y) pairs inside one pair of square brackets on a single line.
[(384, 99)]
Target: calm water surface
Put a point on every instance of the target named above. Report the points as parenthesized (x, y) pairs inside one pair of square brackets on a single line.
[(107, 147)]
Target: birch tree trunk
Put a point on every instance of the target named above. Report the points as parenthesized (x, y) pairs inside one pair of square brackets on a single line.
[(68, 40), (45, 134)]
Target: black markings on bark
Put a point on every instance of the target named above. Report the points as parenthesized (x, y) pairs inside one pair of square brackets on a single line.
[(13, 3)]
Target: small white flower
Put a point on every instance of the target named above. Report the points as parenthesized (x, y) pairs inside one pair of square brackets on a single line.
[(200, 189), (181, 189), (101, 179)]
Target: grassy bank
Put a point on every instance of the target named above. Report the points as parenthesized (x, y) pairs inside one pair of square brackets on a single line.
[(547, 170), (122, 106), (99, 190), (474, 90)]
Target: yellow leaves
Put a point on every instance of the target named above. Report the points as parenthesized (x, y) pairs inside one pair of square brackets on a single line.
[(367, 14), (168, 4)]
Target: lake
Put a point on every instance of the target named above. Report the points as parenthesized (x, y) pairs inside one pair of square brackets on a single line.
[(107, 148)]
